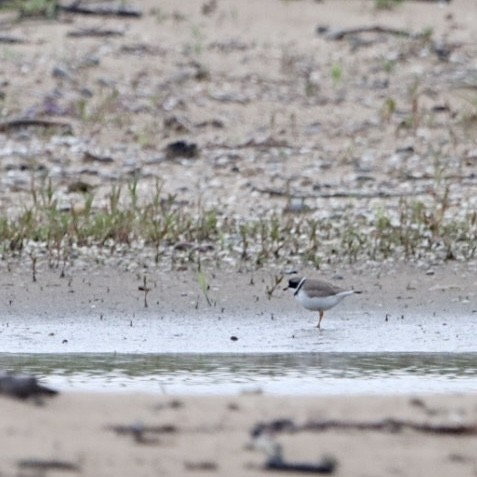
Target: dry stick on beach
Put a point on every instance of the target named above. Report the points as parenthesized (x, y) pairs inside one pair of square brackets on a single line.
[(141, 432), (339, 34), (94, 32), (268, 143), (339, 194), (101, 10), (45, 465), (144, 288), (391, 425), (9, 124), (11, 39)]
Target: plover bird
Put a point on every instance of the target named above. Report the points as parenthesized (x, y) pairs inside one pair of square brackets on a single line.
[(317, 295)]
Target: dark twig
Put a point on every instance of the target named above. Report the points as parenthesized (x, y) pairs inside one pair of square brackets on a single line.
[(45, 465), (276, 280), (100, 10), (391, 425), (139, 431), (338, 194), (268, 143), (11, 39), (325, 466), (144, 288), (94, 32), (27, 122), (339, 34)]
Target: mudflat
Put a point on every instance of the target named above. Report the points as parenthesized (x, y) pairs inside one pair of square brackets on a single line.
[(403, 308)]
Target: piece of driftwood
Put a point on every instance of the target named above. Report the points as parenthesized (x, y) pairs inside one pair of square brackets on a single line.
[(141, 433), (263, 439), (339, 194), (341, 33), (389, 425), (94, 32), (10, 124), (134, 428), (205, 465), (44, 465), (450, 177), (100, 10), (89, 156), (324, 466), (268, 143), (393, 425), (11, 39)]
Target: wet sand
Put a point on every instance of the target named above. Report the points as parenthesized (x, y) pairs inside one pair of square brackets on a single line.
[(403, 308), (211, 436)]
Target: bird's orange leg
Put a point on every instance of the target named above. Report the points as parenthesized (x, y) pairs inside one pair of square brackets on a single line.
[(321, 317)]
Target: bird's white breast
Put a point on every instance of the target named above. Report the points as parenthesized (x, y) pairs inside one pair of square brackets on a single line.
[(320, 303)]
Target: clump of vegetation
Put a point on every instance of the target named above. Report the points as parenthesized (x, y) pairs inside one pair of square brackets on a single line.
[(163, 227), (336, 74), (386, 4), (32, 8)]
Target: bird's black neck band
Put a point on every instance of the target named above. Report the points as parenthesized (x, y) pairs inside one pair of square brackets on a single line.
[(302, 281)]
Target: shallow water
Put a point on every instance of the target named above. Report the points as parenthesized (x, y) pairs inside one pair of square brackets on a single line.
[(283, 373), (194, 354), (212, 332)]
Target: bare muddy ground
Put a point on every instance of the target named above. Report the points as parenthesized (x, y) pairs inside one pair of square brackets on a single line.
[(400, 309)]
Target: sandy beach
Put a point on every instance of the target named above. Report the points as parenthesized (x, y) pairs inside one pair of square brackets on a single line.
[(128, 433), (350, 126), (402, 308), (110, 435)]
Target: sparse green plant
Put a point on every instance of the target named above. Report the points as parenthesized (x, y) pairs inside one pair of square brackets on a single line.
[(160, 222), (426, 34), (159, 15), (468, 114), (33, 266), (384, 236), (386, 4), (389, 66), (467, 235), (244, 235), (272, 287), (198, 40), (414, 92), (388, 109), (81, 109), (36, 8), (204, 287), (311, 251), (336, 74), (353, 242)]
